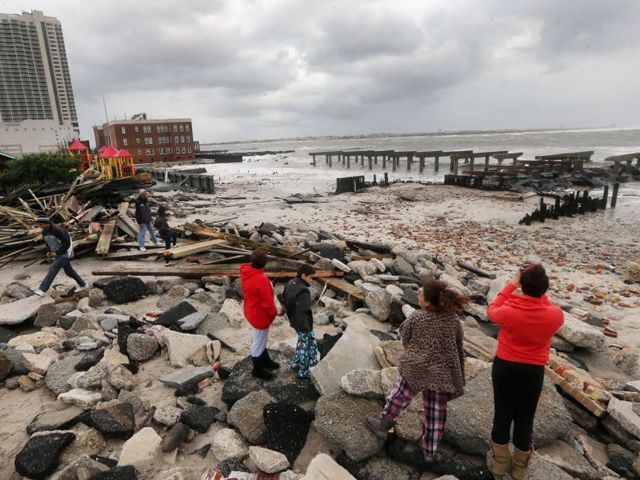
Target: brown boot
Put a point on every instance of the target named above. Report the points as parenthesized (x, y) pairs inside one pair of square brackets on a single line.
[(500, 457), (520, 464), (380, 425)]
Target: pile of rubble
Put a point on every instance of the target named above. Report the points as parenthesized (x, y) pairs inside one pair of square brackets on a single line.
[(169, 394)]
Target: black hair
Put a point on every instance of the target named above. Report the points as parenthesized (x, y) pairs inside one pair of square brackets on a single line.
[(305, 269), (534, 281), (259, 258), (162, 210)]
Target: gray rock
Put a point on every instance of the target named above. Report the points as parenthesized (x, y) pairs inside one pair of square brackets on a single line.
[(80, 397), (49, 313), (82, 468), (110, 322), (59, 373), (340, 419), (184, 348), (167, 416), (55, 420), (212, 324), (191, 322), (136, 402), (470, 417), (542, 469), (141, 448), (141, 347), (354, 350), (232, 310), (362, 267), (581, 334), (19, 311), (115, 421), (565, 457), (246, 416), (18, 291), (402, 267), (6, 365), (268, 461), (175, 437), (496, 286), (363, 383), (624, 413), (388, 353), (173, 297), (186, 376), (409, 256), (228, 444), (379, 302)]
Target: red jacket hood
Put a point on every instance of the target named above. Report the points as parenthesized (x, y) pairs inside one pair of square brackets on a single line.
[(525, 302), (259, 304)]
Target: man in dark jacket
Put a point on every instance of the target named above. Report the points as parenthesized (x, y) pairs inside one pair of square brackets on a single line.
[(143, 217), (59, 248), (297, 303)]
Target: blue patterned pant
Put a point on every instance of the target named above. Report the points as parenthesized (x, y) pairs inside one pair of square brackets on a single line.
[(306, 354)]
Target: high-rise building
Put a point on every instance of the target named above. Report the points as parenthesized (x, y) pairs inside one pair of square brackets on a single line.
[(37, 108)]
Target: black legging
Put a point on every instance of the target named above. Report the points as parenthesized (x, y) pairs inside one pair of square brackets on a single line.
[(516, 391)]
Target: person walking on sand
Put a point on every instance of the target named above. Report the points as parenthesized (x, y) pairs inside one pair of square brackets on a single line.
[(432, 363), (166, 232), (297, 305), (60, 249), (143, 217), (260, 311), (527, 324)]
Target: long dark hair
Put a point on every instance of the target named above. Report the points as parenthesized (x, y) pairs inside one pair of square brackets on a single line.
[(442, 297)]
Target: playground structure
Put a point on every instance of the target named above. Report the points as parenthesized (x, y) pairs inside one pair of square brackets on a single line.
[(79, 150), (113, 163)]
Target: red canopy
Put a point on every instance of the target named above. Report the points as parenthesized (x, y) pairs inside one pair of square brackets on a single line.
[(123, 153), (108, 152), (77, 146)]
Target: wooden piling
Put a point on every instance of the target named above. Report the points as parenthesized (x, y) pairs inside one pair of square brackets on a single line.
[(614, 195), (437, 163), (605, 197), (421, 164), (370, 158)]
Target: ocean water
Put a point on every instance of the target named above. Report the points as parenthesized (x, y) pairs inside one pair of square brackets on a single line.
[(294, 173)]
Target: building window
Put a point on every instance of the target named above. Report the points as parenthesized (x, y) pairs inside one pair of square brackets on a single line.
[(138, 140), (189, 149), (184, 149), (181, 138), (181, 128), (135, 129), (175, 128), (186, 127), (146, 129), (176, 139), (188, 138), (124, 142), (149, 151), (123, 130), (148, 140), (139, 152)]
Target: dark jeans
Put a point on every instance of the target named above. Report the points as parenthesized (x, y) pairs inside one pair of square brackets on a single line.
[(516, 391), (169, 238), (60, 263)]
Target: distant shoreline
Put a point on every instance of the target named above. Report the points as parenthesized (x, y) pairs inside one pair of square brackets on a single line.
[(442, 133)]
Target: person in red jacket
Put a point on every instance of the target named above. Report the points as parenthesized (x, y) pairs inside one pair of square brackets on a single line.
[(260, 311), (527, 324)]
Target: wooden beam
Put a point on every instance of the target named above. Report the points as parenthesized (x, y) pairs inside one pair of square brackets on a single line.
[(104, 243), (128, 226), (193, 248), (199, 272), (345, 287)]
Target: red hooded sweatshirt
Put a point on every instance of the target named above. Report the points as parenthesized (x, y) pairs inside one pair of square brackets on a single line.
[(526, 326), (259, 306)]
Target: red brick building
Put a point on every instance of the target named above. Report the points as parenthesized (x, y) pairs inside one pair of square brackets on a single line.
[(149, 140)]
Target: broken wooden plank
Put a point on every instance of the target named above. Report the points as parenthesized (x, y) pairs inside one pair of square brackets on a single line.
[(476, 270), (104, 242), (198, 272), (578, 395), (151, 251), (236, 239), (192, 248), (345, 287), (127, 226)]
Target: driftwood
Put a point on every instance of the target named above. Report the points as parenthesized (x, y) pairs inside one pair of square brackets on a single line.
[(199, 272), (476, 270), (104, 243)]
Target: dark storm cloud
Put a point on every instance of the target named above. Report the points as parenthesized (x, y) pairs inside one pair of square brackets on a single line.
[(261, 68)]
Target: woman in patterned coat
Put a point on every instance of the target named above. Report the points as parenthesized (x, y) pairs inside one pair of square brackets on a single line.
[(432, 363)]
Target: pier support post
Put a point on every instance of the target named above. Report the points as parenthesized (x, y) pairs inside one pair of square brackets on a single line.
[(605, 197), (326, 159), (386, 178), (486, 163), (370, 161), (421, 167), (437, 163), (394, 161), (614, 195), (409, 162), (330, 160), (384, 162), (348, 161)]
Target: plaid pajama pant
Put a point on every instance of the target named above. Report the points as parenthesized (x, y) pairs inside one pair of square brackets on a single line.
[(306, 355), (435, 412)]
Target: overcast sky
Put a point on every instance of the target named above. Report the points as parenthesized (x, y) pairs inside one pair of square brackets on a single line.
[(267, 68)]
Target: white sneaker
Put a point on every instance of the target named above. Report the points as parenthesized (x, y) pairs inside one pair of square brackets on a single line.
[(142, 249), (39, 292)]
